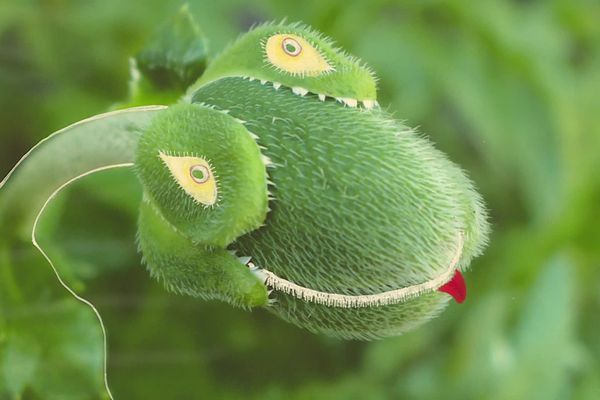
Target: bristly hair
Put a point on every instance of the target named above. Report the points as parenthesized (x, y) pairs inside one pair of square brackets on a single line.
[(360, 301)]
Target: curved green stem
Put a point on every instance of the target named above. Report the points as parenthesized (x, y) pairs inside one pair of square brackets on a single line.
[(99, 141), (96, 144)]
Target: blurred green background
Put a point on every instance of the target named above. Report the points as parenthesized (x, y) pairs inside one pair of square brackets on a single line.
[(509, 89)]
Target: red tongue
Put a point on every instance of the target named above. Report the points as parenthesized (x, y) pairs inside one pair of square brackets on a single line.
[(456, 287)]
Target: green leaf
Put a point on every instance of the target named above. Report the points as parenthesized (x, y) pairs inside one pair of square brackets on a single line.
[(543, 345), (19, 363), (173, 58), (47, 342)]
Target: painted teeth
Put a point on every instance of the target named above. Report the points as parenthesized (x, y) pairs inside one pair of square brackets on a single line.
[(244, 260), (266, 160), (258, 273), (350, 102), (369, 104), (299, 91)]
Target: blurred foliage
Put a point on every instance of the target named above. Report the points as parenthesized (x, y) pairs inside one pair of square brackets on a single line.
[(170, 62), (509, 89)]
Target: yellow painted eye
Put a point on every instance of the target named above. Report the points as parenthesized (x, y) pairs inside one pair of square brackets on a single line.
[(194, 175), (291, 53)]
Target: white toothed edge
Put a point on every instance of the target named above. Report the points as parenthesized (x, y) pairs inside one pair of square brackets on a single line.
[(359, 301), (369, 104), (241, 121), (244, 260), (299, 90), (250, 78), (322, 97), (350, 102), (266, 160), (259, 273), (262, 81), (276, 85), (339, 99), (253, 136)]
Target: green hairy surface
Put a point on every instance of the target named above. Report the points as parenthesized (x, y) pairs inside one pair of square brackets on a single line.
[(246, 57), (321, 199), (362, 205), (508, 90), (183, 243), (190, 130), (193, 270)]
